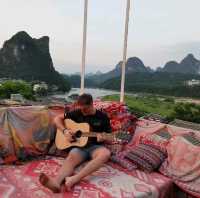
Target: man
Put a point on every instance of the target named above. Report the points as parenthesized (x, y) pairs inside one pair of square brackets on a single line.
[(94, 150)]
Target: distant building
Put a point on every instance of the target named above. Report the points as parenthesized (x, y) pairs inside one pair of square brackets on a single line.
[(40, 89), (42, 85), (54, 88), (17, 97), (3, 79), (193, 82)]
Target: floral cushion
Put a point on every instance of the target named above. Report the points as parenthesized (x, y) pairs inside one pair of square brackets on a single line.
[(159, 138), (146, 157), (112, 108), (120, 119)]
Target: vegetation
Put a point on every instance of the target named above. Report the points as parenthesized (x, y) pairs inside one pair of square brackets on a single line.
[(157, 83), (31, 62), (16, 87), (75, 81), (166, 107), (188, 112), (146, 104)]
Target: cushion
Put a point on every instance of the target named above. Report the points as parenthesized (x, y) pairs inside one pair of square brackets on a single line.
[(183, 161), (120, 120), (120, 159), (146, 157), (192, 138), (159, 138)]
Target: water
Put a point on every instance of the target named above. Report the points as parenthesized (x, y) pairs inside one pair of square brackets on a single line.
[(96, 93)]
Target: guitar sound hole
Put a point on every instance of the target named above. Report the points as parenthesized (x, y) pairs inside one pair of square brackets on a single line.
[(78, 134)]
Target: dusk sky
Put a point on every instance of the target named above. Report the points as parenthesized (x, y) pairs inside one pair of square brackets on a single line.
[(160, 30)]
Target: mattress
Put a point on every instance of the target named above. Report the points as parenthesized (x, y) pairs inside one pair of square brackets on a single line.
[(110, 181)]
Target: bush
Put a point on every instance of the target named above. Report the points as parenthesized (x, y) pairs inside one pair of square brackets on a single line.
[(171, 100), (16, 87), (188, 112)]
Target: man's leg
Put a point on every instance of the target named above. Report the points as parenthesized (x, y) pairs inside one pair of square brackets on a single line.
[(74, 158), (99, 157)]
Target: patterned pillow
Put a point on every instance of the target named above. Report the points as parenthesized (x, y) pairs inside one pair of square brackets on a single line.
[(120, 159), (120, 120), (124, 122), (146, 157), (112, 108), (114, 147), (160, 139)]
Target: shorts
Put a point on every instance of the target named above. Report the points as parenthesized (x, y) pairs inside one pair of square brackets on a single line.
[(86, 152)]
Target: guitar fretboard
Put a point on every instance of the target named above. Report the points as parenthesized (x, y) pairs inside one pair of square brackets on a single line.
[(94, 134)]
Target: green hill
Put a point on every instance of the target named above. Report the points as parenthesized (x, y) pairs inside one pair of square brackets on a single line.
[(172, 84), (26, 58)]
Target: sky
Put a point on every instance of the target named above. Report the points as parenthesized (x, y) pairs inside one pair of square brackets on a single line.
[(159, 30)]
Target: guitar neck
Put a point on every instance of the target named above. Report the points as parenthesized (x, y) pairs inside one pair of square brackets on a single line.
[(94, 134)]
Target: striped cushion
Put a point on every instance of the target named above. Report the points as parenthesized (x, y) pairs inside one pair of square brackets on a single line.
[(122, 161), (164, 134), (160, 139), (146, 157), (192, 138)]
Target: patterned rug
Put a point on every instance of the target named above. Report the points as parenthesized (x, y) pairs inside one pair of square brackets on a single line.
[(109, 182)]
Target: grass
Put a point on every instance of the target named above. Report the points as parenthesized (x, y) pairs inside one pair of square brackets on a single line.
[(147, 104)]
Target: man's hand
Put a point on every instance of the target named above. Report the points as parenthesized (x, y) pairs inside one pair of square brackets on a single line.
[(68, 134), (100, 138)]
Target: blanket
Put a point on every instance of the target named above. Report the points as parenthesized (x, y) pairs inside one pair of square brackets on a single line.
[(110, 181)]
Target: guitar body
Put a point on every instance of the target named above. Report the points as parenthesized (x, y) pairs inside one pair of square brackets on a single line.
[(82, 133), (62, 142)]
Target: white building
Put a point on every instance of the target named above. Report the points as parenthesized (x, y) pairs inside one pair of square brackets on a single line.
[(193, 82), (42, 85)]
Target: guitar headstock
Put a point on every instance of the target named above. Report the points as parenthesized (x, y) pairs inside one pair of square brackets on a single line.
[(123, 137)]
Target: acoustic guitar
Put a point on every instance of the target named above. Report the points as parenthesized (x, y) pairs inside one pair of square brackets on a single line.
[(82, 133)]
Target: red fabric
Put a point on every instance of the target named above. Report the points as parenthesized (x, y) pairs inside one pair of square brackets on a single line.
[(156, 140), (147, 157), (108, 182), (183, 164), (22, 181), (25, 132), (143, 128)]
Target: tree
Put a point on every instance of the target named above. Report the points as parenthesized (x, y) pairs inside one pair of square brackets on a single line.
[(187, 111), (16, 87)]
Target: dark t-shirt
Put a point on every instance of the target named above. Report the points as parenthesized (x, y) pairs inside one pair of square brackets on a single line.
[(99, 122)]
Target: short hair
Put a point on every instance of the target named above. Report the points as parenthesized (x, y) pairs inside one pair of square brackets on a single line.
[(85, 99)]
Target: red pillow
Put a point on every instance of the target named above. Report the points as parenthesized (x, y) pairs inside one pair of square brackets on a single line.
[(159, 138)]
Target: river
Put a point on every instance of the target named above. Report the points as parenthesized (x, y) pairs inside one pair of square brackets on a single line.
[(96, 93)]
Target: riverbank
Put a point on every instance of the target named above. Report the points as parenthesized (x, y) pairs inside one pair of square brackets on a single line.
[(140, 104), (168, 108)]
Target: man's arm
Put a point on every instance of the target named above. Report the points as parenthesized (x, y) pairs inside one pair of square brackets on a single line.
[(59, 122)]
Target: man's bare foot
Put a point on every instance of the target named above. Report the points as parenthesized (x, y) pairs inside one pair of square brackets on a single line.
[(70, 182), (49, 183)]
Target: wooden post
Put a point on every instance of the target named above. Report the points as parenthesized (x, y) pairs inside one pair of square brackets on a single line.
[(125, 52), (84, 47)]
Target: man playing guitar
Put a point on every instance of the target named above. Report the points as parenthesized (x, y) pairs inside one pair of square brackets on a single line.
[(93, 150)]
